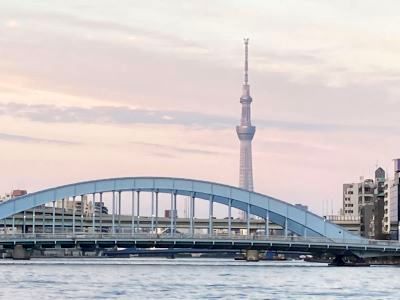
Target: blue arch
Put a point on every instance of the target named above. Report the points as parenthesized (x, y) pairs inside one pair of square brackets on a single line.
[(298, 221)]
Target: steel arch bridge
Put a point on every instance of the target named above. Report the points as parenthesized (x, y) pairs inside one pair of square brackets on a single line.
[(290, 218)]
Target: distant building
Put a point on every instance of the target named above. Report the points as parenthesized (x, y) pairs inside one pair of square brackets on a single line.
[(365, 200), (83, 206), (18, 193), (366, 190), (351, 223), (5, 197), (386, 207), (350, 200), (356, 195), (371, 205), (395, 202), (379, 204), (301, 206), (168, 213), (13, 194)]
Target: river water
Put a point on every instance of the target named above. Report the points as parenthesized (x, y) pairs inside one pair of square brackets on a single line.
[(196, 278)]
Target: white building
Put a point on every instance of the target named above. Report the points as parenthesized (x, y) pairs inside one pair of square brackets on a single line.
[(13, 194), (350, 200), (394, 203), (386, 208), (356, 195), (5, 197), (82, 206)]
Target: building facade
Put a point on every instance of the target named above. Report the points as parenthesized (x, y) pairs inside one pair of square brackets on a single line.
[(395, 202), (365, 201), (13, 194), (379, 205), (301, 206), (386, 207), (350, 200), (83, 206)]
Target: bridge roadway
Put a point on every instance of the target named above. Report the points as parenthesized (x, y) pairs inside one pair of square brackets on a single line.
[(159, 223), (366, 248), (65, 223)]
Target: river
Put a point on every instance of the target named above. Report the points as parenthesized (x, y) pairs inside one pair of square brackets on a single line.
[(197, 278)]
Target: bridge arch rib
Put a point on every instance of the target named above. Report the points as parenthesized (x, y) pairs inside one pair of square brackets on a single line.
[(279, 212)]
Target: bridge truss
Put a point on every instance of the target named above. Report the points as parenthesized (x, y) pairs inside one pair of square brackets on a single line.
[(40, 215)]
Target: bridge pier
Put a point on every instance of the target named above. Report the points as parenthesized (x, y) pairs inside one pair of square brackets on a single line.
[(20, 253), (338, 261), (341, 260), (252, 255)]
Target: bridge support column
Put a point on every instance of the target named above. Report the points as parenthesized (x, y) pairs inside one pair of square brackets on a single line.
[(43, 218), (63, 215), (171, 215), (267, 224), (94, 213), (191, 215), (175, 214), (101, 213), (113, 213), (20, 253), (119, 211), (24, 224), (286, 228), (13, 225), (211, 216), (248, 219), (138, 211), (82, 206), (152, 212), (230, 217), (53, 230), (82, 221), (156, 229), (33, 220), (133, 213), (252, 255), (73, 214)]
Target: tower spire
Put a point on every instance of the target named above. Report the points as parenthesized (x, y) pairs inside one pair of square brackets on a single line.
[(246, 61)]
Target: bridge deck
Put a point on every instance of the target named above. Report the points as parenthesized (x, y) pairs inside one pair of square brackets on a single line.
[(238, 242)]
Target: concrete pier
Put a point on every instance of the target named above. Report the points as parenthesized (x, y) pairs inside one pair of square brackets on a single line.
[(20, 253), (252, 255)]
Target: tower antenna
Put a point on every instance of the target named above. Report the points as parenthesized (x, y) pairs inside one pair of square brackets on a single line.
[(246, 60)]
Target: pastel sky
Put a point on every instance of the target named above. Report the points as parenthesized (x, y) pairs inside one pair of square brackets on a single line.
[(94, 89)]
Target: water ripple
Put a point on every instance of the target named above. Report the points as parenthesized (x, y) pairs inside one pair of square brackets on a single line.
[(147, 278)]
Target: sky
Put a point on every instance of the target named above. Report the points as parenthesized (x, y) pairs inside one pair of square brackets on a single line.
[(99, 89)]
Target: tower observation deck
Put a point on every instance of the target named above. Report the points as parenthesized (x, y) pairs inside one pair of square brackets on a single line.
[(245, 132)]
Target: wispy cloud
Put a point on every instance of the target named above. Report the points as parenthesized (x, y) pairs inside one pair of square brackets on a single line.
[(120, 115), (286, 145), (103, 27), (124, 115), (34, 140), (160, 148)]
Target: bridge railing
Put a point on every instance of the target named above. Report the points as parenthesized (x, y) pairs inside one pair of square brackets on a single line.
[(191, 237)]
